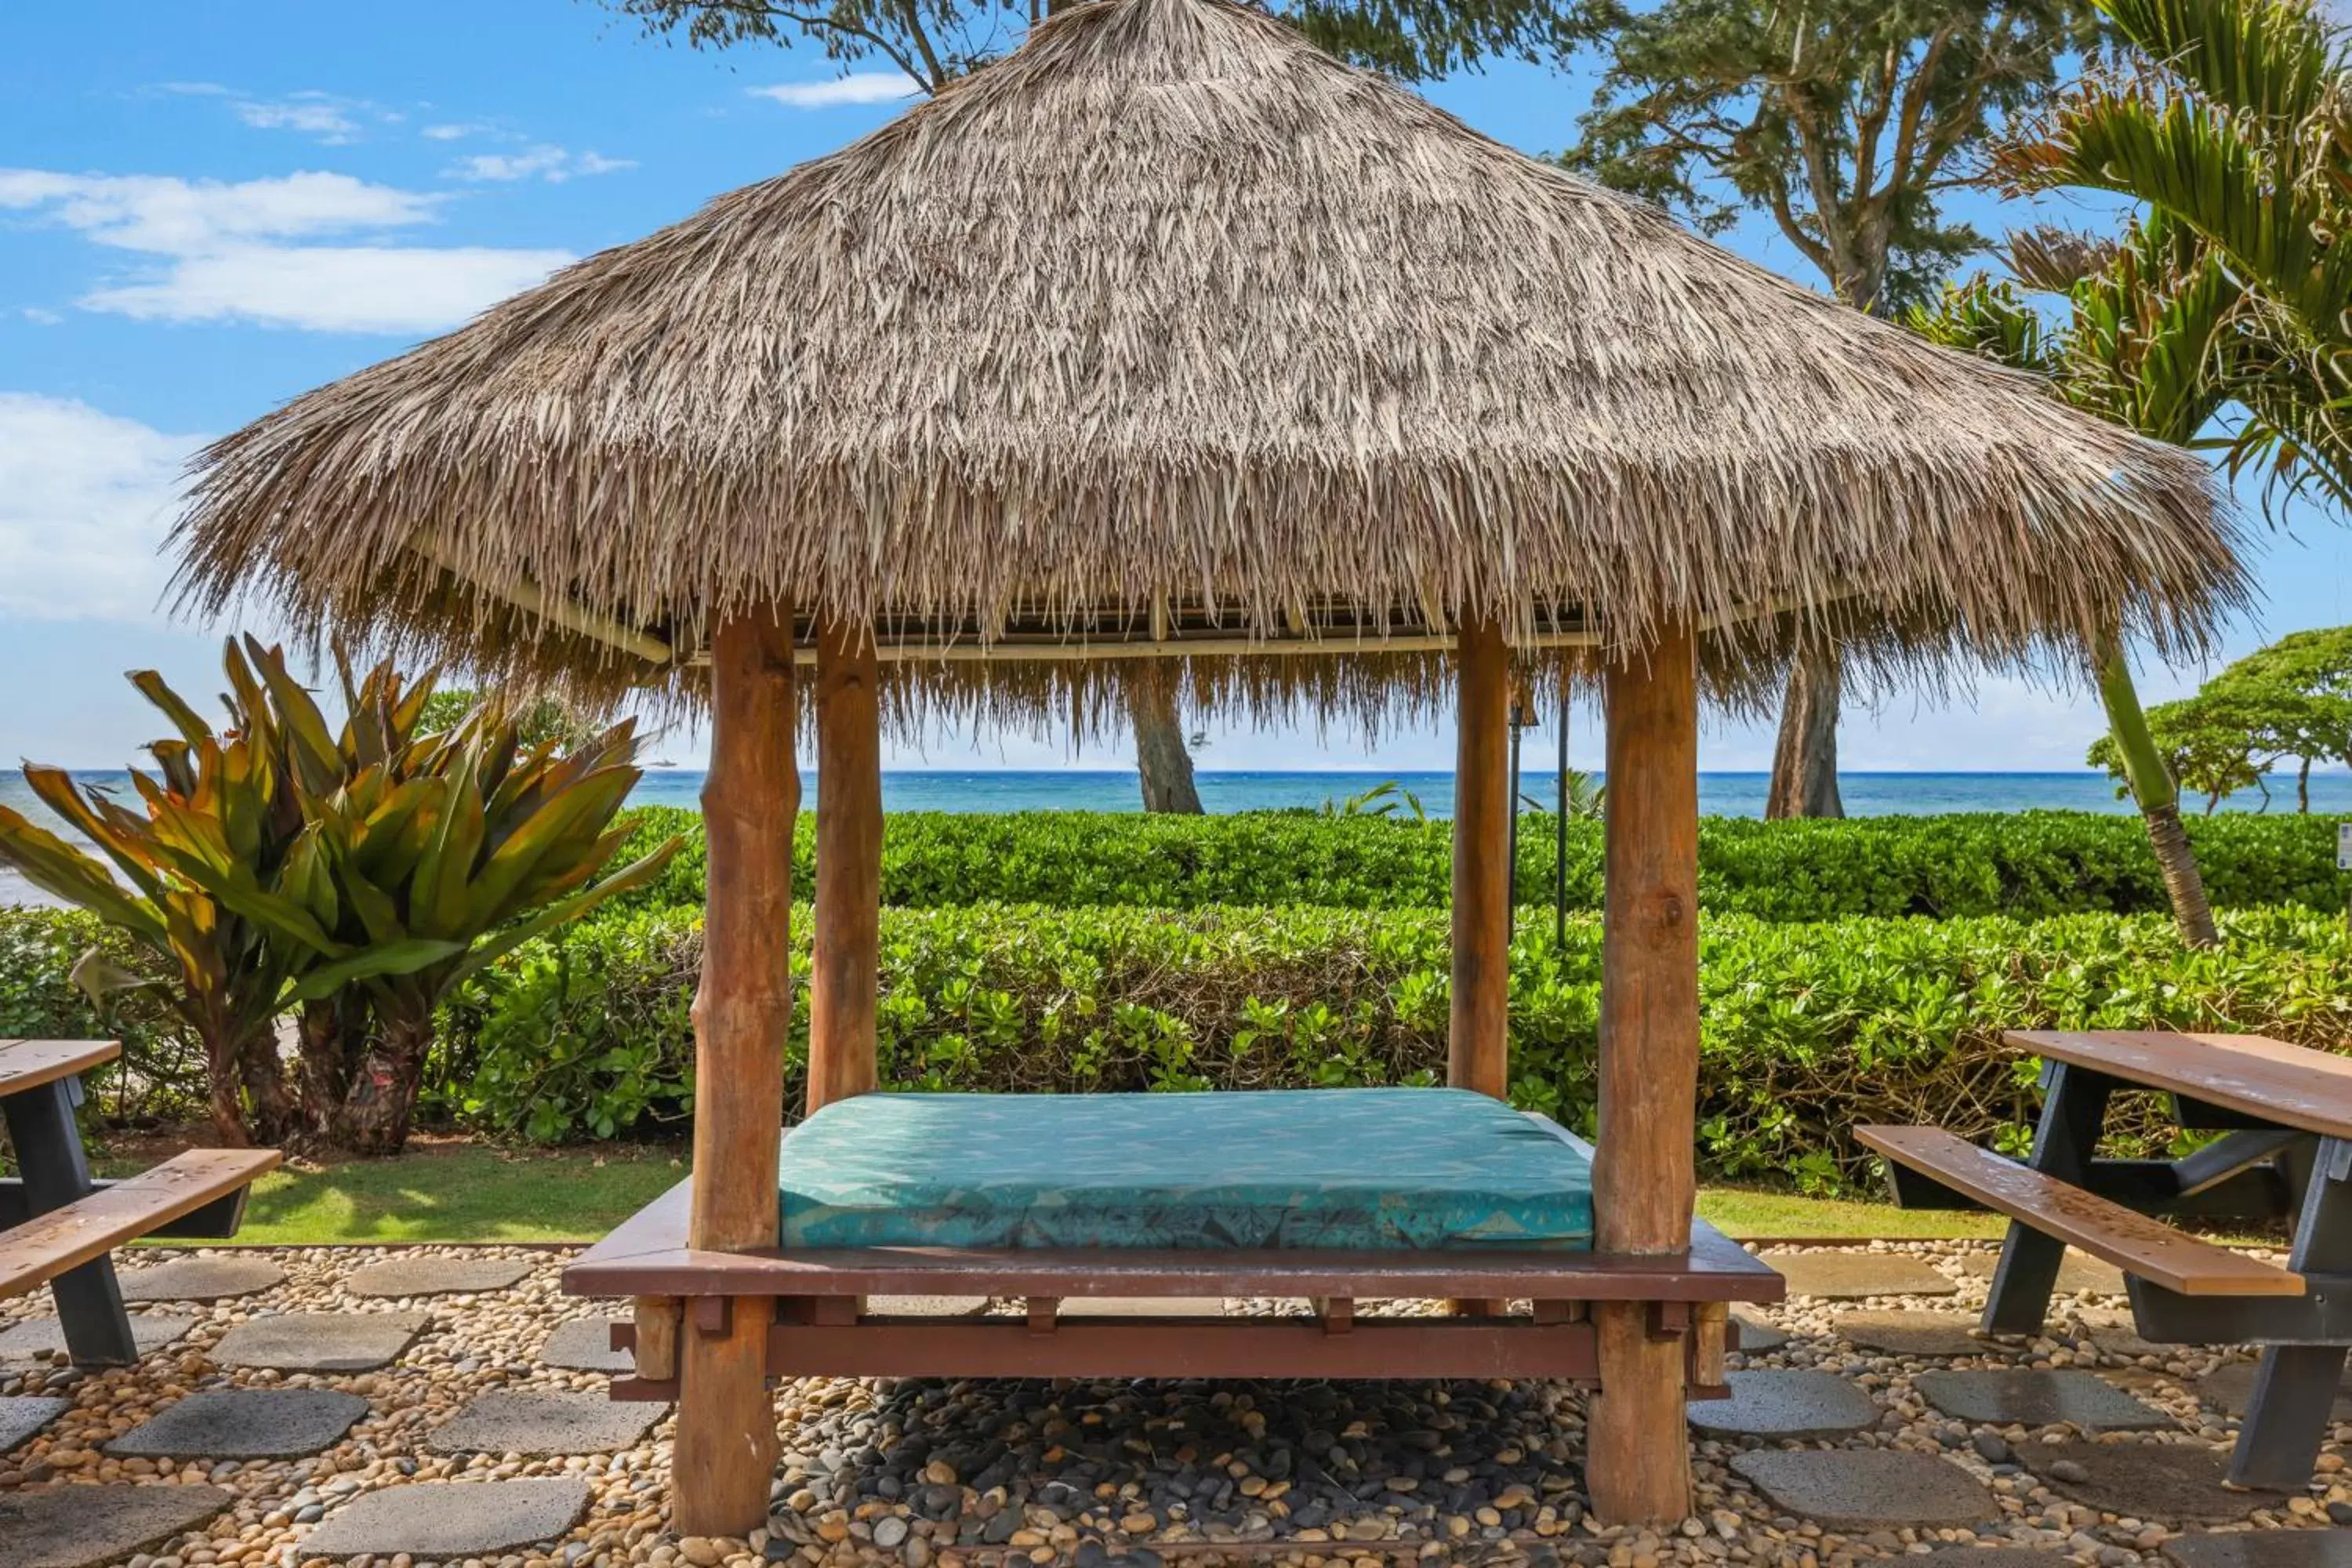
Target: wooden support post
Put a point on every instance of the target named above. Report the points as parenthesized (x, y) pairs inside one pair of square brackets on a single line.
[(1477, 1049), (847, 938), (1477, 1052), (654, 1349), (725, 1447), (1637, 1459)]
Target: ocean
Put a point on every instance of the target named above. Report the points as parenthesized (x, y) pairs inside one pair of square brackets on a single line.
[(1719, 793)]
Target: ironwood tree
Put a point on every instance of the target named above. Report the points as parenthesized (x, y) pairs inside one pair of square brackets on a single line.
[(1846, 122), (933, 42)]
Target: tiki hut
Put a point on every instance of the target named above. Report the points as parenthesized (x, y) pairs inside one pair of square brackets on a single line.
[(1168, 343)]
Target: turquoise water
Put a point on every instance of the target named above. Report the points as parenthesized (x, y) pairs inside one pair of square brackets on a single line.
[(1720, 795)]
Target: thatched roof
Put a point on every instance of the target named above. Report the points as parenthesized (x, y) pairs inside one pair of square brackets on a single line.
[(1170, 326)]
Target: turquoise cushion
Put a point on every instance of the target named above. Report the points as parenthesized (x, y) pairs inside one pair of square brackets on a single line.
[(1365, 1168)]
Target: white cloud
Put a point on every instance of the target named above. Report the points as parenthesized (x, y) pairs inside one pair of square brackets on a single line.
[(324, 117), (174, 217), (544, 162), (333, 289), (228, 253), (329, 121), (452, 132), (84, 502), (858, 86)]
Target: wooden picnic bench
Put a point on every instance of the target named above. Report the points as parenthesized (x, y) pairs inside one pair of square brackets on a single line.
[(2284, 1116), (61, 1227)]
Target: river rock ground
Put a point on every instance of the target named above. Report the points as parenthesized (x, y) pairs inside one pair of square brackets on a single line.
[(921, 1473)]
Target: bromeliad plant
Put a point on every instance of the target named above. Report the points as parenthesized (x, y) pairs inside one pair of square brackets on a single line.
[(358, 873), (221, 826), (463, 843)]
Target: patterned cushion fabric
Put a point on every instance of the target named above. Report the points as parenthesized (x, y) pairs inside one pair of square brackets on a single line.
[(1364, 1168)]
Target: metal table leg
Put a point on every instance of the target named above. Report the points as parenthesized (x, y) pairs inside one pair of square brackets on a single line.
[(2295, 1385), (49, 1146), (2073, 1108)]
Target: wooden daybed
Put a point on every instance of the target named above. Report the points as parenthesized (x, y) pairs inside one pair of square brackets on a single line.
[(827, 1314)]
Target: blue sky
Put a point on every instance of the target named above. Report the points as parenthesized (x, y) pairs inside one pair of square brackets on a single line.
[(209, 209)]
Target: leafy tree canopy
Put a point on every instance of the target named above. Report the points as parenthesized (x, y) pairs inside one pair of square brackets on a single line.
[(1844, 120), (932, 42), (2291, 699)]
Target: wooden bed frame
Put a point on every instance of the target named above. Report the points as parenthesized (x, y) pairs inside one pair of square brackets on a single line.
[(815, 1304)]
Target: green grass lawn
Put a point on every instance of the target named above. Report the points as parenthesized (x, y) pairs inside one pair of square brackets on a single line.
[(464, 1192), (460, 1193)]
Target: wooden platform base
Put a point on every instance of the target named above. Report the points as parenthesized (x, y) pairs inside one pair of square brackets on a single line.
[(814, 1302), (1220, 1347), (813, 1309)]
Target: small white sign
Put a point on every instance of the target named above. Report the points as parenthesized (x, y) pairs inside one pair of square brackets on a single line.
[(2343, 845)]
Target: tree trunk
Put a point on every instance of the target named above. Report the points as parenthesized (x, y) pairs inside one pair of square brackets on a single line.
[(224, 1090), (381, 1096), (1804, 762), (328, 1035), (270, 1103), (2302, 787), (2159, 800), (1161, 760)]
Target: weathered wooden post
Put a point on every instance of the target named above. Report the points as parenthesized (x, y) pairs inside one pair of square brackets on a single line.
[(1637, 1449), (1477, 1052), (846, 942), (725, 1447)]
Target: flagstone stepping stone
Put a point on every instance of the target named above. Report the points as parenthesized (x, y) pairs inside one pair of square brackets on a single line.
[(151, 1331), (200, 1279), (450, 1518), (1866, 1488), (1784, 1404), (1910, 1333), (430, 1275), (2079, 1272), (22, 1415), (2230, 1386), (1851, 1276), (2263, 1549), (537, 1424), (2020, 1396), (585, 1344), (1757, 1336), (2176, 1482), (244, 1424), (320, 1342), (79, 1527), (2115, 1333)]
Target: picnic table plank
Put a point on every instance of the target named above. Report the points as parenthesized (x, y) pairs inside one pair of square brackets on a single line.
[(64, 1239), (2130, 1240), (2290, 1085), (28, 1064)]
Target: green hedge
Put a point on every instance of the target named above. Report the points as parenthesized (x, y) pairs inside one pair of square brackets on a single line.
[(159, 1076), (1809, 1029), (2028, 863)]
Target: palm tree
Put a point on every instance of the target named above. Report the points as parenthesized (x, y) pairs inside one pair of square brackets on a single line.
[(2149, 344), (2233, 119), (2230, 121)]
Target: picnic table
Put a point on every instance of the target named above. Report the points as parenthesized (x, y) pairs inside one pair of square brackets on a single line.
[(2284, 1116), (58, 1226)]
